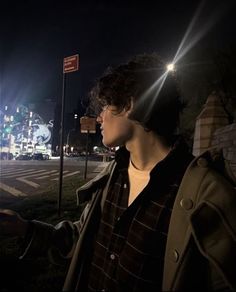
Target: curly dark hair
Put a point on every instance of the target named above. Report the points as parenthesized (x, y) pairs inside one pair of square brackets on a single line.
[(145, 82)]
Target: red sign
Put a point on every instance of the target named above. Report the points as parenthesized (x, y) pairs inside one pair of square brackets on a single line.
[(87, 125), (71, 64)]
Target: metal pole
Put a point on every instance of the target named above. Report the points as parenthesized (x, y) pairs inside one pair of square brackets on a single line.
[(68, 139), (67, 142), (61, 143), (86, 157)]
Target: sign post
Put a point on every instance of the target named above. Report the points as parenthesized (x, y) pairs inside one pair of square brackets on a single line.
[(70, 64), (87, 125)]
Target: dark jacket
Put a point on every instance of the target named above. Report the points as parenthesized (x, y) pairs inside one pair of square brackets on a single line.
[(201, 243)]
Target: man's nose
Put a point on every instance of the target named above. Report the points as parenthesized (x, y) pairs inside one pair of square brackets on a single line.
[(99, 119)]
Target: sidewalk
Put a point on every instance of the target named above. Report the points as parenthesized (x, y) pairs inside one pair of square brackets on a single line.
[(97, 170)]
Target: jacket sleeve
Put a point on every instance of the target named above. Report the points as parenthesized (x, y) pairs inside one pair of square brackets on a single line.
[(216, 240), (214, 228), (57, 242)]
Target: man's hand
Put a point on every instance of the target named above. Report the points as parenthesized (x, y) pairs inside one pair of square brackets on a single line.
[(12, 224)]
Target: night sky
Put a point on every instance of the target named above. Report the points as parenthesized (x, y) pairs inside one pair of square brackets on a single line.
[(37, 35)]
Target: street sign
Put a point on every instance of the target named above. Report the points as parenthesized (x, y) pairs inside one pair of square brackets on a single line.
[(71, 64), (87, 125)]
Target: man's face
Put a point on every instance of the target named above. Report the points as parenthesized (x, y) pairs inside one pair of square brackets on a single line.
[(116, 128)]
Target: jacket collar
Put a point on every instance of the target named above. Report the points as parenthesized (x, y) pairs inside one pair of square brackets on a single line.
[(179, 155), (85, 192)]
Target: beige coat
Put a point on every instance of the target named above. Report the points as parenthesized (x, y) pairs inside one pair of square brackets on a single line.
[(204, 214)]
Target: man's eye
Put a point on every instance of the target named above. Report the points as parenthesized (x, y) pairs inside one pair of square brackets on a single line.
[(104, 108)]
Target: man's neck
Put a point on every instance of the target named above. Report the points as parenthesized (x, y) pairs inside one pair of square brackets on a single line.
[(146, 150)]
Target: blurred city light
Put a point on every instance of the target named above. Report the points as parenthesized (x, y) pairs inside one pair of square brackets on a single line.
[(23, 131)]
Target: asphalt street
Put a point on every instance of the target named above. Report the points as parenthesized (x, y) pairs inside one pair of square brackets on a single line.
[(20, 178)]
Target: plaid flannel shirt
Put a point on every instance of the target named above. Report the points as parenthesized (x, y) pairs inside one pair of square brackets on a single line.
[(130, 244)]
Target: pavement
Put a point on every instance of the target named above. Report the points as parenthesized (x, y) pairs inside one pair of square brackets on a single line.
[(97, 170)]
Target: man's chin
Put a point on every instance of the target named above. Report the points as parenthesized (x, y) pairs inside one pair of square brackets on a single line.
[(110, 144)]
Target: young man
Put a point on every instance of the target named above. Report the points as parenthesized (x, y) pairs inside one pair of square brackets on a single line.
[(157, 219)]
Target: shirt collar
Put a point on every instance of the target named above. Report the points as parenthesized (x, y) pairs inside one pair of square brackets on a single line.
[(179, 155), (122, 157)]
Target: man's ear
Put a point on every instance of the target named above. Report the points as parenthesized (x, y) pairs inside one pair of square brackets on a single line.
[(130, 107)]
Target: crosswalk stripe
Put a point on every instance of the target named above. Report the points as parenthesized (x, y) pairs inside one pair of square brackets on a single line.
[(35, 173), (7, 171), (51, 173), (25, 180), (18, 171), (31, 183), (67, 175), (28, 182), (24, 175), (56, 173), (11, 190)]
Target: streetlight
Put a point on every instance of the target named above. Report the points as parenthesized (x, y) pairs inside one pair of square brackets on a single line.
[(75, 120), (170, 67)]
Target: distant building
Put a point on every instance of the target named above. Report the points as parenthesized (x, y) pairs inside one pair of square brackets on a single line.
[(212, 129)]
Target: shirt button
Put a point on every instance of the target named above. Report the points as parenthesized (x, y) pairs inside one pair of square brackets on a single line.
[(112, 257)]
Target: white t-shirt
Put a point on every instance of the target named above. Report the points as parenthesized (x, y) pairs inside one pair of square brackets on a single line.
[(138, 179)]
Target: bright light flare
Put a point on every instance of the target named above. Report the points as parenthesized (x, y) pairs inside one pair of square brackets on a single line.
[(193, 35), (170, 67)]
